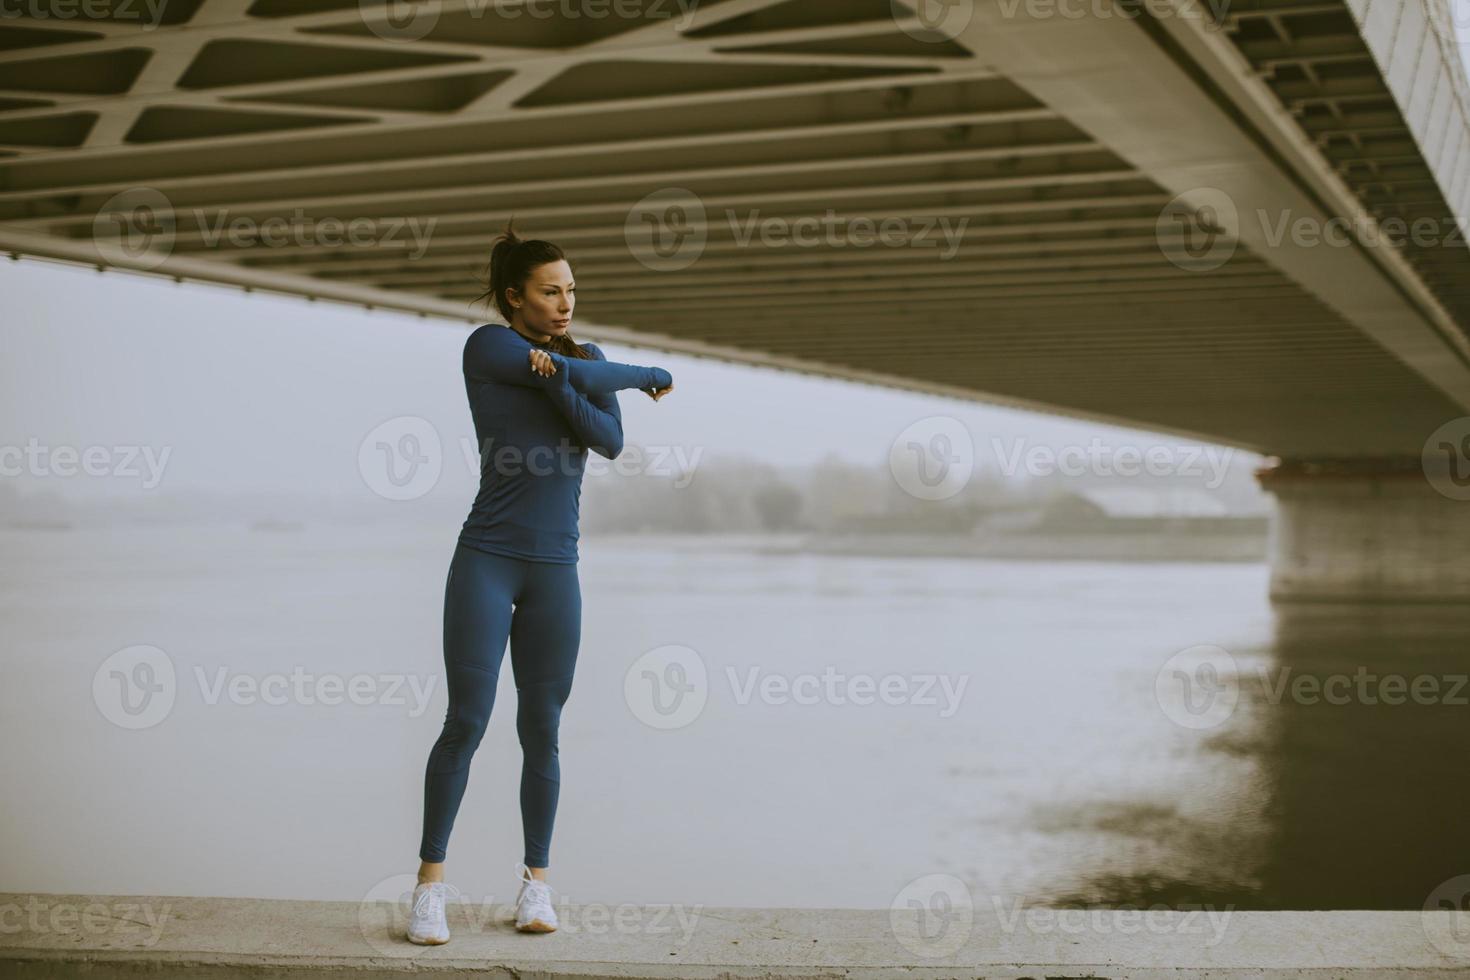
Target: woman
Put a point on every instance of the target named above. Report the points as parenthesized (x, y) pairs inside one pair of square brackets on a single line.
[(540, 402)]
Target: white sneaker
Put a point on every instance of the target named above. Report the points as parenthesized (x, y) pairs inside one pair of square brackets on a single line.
[(426, 923), (533, 905)]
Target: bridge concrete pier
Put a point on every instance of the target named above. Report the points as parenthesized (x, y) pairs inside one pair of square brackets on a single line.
[(1370, 530)]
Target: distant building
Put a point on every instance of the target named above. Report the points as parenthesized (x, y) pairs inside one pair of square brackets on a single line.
[(1134, 509), (1155, 502)]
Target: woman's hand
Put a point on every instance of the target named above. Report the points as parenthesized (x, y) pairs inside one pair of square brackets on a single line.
[(542, 363)]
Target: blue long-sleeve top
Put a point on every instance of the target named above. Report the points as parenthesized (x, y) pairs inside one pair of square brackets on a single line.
[(534, 434)]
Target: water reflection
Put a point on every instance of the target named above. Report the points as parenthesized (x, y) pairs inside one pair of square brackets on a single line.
[(1057, 779), (1369, 796), (1354, 780)]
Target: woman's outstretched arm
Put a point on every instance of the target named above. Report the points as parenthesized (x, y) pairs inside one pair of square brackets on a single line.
[(595, 418), (499, 354)]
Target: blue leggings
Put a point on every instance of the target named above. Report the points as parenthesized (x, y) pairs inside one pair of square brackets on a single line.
[(544, 630)]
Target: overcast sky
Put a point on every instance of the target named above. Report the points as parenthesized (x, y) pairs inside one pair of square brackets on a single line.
[(262, 392)]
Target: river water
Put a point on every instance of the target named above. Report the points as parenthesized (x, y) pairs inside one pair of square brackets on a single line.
[(1053, 733)]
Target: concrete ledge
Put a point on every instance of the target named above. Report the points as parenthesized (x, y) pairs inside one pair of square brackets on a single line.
[(208, 938)]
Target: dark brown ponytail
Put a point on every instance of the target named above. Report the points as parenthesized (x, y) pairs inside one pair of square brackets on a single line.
[(512, 260)]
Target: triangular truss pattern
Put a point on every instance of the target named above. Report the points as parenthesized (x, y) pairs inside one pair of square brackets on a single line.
[(432, 123)]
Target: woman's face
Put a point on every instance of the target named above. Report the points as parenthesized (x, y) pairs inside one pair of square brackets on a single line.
[(546, 307)]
